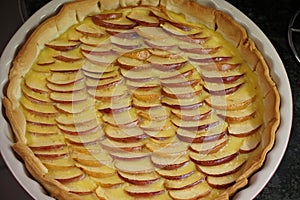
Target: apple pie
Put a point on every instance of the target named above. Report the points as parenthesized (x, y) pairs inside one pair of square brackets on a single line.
[(141, 99)]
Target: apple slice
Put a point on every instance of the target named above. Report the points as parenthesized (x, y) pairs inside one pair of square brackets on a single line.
[(183, 81), (66, 175), (238, 115), (99, 69), (251, 143), (124, 135), (90, 30), (114, 106), (118, 21), (184, 183), (109, 182), (105, 85), (173, 30), (166, 64), (147, 95), (198, 49), (125, 155), (151, 33), (142, 105), (99, 160), (75, 87), (37, 108), (209, 147), (93, 137), (45, 141), (173, 149), (223, 182), (199, 113), (149, 125), (96, 42), (167, 44), (184, 71), (79, 129), (44, 59), (190, 103), (121, 33), (100, 60), (235, 101), (69, 56), (142, 17), (59, 78), (245, 128), (54, 153), (139, 166), (124, 119), (169, 162), (183, 92), (179, 173), (139, 179), (111, 145), (161, 135), (144, 191), (75, 107), (155, 114), (44, 119), (58, 163), (35, 96), (68, 97), (228, 153), (108, 16), (126, 43), (41, 129), (113, 193), (102, 76), (62, 45), (33, 81), (190, 135), (226, 168), (128, 63), (138, 75), (201, 189), (97, 172), (83, 186), (101, 50)]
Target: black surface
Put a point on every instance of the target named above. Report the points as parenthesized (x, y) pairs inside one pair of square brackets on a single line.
[(273, 17)]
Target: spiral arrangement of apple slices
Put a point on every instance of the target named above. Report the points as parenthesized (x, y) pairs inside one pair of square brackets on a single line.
[(139, 103)]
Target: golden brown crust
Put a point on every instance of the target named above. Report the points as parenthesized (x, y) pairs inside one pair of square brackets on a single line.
[(74, 12)]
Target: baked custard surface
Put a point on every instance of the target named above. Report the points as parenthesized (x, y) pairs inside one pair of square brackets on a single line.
[(141, 100)]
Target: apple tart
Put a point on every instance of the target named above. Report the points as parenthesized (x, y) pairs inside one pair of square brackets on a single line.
[(141, 99)]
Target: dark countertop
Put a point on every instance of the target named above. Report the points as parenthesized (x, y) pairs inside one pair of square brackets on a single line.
[(273, 17)]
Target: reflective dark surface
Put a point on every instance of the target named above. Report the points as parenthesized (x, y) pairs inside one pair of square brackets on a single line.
[(272, 17)]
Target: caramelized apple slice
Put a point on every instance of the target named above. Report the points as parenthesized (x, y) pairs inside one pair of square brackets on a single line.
[(128, 63), (96, 87), (124, 119), (35, 96), (41, 129), (68, 97), (58, 163), (39, 118), (45, 141), (171, 29), (155, 114), (166, 64), (100, 60), (100, 160), (92, 137), (93, 68), (75, 107)]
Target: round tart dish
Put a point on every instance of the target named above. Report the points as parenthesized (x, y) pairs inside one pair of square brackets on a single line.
[(141, 99)]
